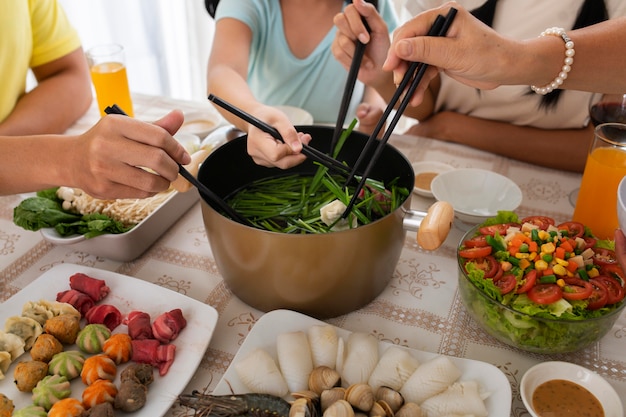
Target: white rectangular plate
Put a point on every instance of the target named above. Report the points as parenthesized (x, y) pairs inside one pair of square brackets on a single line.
[(126, 294), (263, 335)]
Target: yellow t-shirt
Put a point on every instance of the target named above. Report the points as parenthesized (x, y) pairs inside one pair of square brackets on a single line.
[(32, 33)]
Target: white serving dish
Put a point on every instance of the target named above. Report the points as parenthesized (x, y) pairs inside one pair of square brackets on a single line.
[(296, 115), (269, 326), (589, 380), (127, 294), (476, 194), (127, 246), (424, 168), (200, 123)]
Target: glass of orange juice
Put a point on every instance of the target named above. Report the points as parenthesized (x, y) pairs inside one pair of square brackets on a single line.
[(606, 166), (108, 74)]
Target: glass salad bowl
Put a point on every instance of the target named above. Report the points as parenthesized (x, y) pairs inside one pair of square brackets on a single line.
[(532, 330)]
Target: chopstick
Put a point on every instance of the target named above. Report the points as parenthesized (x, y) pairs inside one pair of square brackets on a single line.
[(310, 152), (350, 82), (413, 75), (210, 195)]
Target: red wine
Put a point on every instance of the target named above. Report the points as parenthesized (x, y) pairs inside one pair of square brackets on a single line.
[(607, 113)]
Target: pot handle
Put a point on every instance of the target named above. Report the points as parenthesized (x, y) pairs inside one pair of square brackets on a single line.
[(433, 226)]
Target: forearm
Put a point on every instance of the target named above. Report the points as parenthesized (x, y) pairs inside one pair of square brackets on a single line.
[(564, 149), (32, 163)]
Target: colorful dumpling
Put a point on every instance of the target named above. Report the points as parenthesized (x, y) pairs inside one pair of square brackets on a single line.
[(50, 390), (31, 411), (91, 338), (98, 392), (118, 347), (67, 407), (98, 367), (68, 364), (25, 327)]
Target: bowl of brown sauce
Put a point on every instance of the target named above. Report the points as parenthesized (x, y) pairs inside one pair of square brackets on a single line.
[(425, 173), (564, 389)]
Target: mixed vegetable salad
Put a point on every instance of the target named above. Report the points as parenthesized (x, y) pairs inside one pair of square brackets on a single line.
[(543, 269), (540, 286)]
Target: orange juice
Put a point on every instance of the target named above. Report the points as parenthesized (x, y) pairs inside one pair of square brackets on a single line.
[(596, 206), (111, 84)]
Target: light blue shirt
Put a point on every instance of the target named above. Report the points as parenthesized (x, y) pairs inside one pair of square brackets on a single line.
[(276, 77)]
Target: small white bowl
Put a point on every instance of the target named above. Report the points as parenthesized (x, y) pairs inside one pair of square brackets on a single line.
[(476, 194), (425, 172), (587, 379), (199, 123), (621, 204), (296, 115)]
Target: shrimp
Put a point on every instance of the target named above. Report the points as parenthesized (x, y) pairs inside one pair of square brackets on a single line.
[(250, 405)]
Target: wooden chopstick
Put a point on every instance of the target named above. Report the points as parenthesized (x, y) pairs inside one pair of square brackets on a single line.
[(203, 189), (413, 75), (310, 152)]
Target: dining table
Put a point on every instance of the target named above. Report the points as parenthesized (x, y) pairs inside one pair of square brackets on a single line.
[(420, 308)]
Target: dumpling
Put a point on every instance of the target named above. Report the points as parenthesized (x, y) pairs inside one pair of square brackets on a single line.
[(11, 343), (57, 308), (36, 311), (5, 362), (25, 327)]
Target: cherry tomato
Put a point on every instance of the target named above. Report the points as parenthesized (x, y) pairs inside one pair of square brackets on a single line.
[(506, 283), (542, 222), (477, 252), (500, 228), (604, 257), (599, 295), (530, 278), (590, 242), (489, 265), (576, 289), (545, 293), (574, 229), (615, 291)]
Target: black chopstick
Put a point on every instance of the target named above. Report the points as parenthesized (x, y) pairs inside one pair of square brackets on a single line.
[(350, 83), (414, 75), (310, 152), (210, 195)]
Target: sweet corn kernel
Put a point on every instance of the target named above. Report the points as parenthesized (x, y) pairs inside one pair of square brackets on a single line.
[(560, 282), (520, 255), (593, 272), (541, 265), (561, 261), (548, 247), (543, 235), (559, 270), (532, 256)]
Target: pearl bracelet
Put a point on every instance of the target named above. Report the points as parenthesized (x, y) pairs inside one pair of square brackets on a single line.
[(567, 62)]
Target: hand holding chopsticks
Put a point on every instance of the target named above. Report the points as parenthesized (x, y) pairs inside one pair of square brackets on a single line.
[(209, 195), (413, 76), (309, 151)]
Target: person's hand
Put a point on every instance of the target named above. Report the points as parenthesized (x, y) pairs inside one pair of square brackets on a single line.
[(460, 54), (620, 248), (369, 116), (270, 152), (350, 28), (121, 157)]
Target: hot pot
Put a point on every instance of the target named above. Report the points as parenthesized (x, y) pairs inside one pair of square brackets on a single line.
[(322, 275)]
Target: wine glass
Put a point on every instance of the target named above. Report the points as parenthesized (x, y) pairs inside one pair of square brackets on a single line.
[(610, 108)]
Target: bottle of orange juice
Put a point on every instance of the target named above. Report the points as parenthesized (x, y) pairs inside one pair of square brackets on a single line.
[(108, 74), (596, 205)]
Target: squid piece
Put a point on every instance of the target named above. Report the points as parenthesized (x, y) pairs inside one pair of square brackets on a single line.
[(430, 378), (260, 374), (295, 359), (324, 342), (361, 358), (461, 398), (394, 368)]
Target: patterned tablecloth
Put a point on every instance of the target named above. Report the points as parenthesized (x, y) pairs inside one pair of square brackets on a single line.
[(420, 308)]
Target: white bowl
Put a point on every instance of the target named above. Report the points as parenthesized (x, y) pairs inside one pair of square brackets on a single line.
[(296, 115), (476, 194), (589, 380), (425, 172), (621, 204), (199, 123)]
